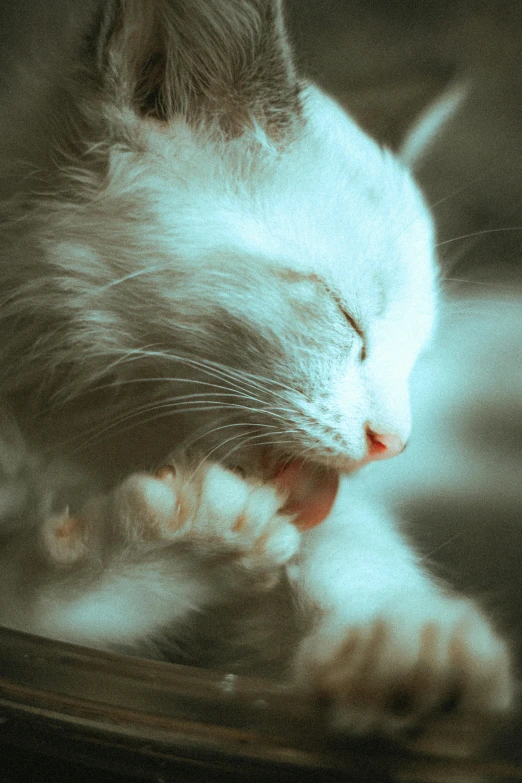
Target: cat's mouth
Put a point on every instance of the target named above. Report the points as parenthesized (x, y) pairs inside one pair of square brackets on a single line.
[(311, 489)]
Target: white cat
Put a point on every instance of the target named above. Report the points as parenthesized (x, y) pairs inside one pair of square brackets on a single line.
[(215, 288)]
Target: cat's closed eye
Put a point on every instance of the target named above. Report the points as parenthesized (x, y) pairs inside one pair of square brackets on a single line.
[(348, 317), (357, 329)]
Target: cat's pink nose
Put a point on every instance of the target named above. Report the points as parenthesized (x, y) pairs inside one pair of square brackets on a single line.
[(383, 445)]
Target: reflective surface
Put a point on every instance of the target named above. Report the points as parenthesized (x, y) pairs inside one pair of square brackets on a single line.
[(157, 720)]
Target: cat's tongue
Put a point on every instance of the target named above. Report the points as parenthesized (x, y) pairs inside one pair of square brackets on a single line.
[(311, 490)]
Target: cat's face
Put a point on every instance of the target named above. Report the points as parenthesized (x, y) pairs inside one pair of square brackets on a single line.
[(279, 271)]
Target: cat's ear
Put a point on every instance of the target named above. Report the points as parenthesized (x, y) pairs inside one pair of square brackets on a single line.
[(221, 62), (431, 123)]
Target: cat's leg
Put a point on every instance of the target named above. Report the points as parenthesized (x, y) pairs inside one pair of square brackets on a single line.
[(112, 574), (391, 651), (213, 509)]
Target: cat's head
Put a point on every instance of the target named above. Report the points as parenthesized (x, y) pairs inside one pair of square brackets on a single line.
[(226, 227)]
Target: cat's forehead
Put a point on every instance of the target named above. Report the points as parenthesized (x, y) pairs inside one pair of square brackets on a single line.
[(331, 205), (341, 208)]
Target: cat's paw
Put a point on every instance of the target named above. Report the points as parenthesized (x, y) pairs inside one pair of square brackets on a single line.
[(214, 509), (431, 673)]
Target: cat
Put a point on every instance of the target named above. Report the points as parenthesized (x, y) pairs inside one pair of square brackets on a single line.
[(215, 289)]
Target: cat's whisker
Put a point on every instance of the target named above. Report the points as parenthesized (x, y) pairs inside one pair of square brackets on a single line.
[(218, 369), (481, 233), (207, 432), (219, 446), (213, 398), (269, 410), (472, 308), (137, 354), (242, 382), (462, 188), (261, 444), (279, 442), (446, 543), (149, 407), (225, 393), (166, 410), (132, 275), (142, 418), (468, 281), (247, 440), (486, 284), (276, 432), (132, 381), (304, 452), (450, 260)]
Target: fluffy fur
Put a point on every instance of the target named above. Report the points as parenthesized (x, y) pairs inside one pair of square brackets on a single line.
[(203, 256)]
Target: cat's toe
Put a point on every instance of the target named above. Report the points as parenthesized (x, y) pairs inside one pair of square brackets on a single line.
[(273, 538), (276, 545), (151, 506), (64, 538), (246, 516)]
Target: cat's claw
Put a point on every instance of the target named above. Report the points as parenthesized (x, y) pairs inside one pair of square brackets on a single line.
[(431, 675)]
